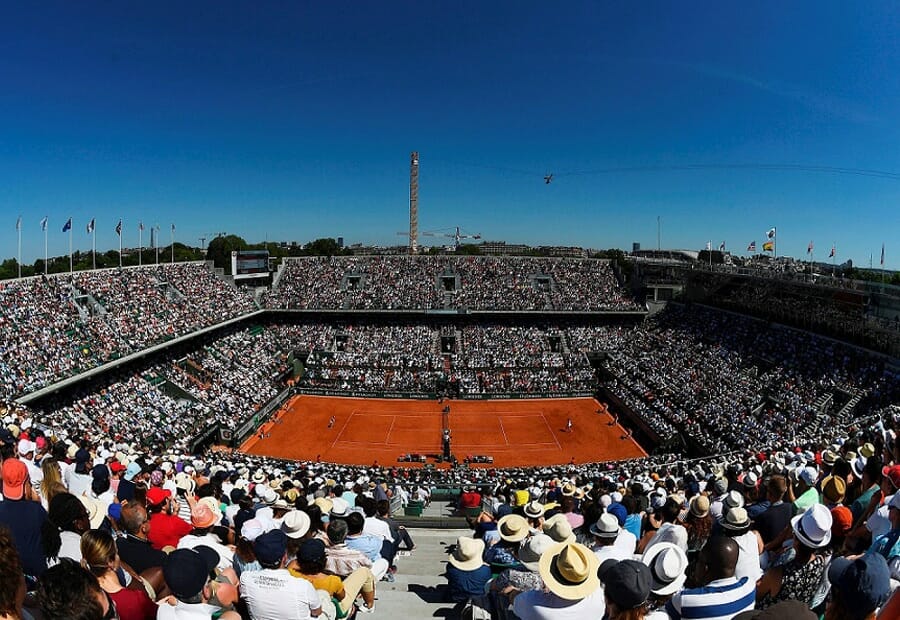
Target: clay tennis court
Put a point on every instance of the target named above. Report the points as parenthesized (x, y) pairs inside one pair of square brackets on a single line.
[(514, 432)]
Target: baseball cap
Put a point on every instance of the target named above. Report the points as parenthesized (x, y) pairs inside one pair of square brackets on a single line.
[(26, 446), (863, 584), (892, 473), (626, 583), (157, 495), (186, 571), (311, 550), (15, 473), (270, 547)]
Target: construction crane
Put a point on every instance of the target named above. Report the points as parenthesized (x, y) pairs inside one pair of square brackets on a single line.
[(456, 234)]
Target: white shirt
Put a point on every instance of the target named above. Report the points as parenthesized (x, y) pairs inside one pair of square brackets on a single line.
[(626, 541), (276, 595), (539, 605), (377, 527), (748, 557), (185, 611), (612, 552), (226, 555)]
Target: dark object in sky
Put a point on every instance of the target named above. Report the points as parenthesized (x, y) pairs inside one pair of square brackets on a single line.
[(548, 178)]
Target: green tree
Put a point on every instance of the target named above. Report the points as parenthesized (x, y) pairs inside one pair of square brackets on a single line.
[(219, 250)]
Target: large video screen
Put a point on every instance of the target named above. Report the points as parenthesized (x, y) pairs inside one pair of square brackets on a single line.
[(249, 264)]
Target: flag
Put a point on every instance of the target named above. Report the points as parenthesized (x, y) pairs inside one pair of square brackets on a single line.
[(708, 246), (119, 228), (882, 253), (770, 234), (173, 229), (152, 239), (768, 246), (832, 252), (90, 226), (68, 225), (19, 223), (44, 223), (722, 247), (141, 226), (809, 248), (752, 246)]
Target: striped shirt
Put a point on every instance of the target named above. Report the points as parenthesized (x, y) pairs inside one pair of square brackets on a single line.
[(719, 600)]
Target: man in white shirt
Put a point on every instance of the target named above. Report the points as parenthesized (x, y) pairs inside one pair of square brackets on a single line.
[(203, 519), (186, 572), (273, 593)]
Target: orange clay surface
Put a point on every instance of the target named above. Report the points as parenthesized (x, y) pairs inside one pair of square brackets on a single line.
[(514, 432)]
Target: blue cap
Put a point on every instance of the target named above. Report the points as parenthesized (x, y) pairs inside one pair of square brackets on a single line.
[(270, 547), (863, 585), (618, 511)]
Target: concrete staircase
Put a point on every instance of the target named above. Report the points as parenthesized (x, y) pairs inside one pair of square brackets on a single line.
[(419, 588)]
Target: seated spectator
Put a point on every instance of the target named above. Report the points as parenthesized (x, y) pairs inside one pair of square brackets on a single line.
[(100, 557), (669, 570), (858, 587), (341, 560), (720, 594), (203, 519), (166, 527), (467, 574), (67, 521), (69, 592), (569, 571), (626, 586), (799, 578), (12, 578), (310, 565), (187, 574), (272, 593), (888, 545), (23, 516)]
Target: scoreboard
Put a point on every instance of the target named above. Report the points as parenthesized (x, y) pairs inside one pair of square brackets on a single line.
[(247, 264)]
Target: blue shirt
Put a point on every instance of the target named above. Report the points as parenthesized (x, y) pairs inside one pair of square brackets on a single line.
[(24, 519), (466, 583), (633, 525), (370, 546)]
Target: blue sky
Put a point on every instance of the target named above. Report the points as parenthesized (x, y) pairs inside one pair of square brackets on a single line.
[(295, 121)]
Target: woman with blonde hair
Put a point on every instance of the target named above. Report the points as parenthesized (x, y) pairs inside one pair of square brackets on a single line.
[(101, 558), (52, 483)]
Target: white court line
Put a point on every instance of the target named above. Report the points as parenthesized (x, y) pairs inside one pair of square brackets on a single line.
[(387, 440), (341, 432), (503, 430), (552, 434)]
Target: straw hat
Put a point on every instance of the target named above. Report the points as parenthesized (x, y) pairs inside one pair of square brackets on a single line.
[(699, 506), (668, 567), (513, 528), (534, 510), (833, 489), (569, 570), (559, 529), (533, 549), (735, 520), (467, 553)]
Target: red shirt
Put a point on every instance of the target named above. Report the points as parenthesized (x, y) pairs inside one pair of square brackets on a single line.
[(470, 499), (167, 530), (134, 604)]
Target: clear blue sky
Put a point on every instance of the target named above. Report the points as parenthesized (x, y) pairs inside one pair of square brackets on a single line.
[(295, 121)]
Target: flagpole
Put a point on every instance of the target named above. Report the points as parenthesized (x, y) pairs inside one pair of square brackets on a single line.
[(45, 246), (140, 244), (120, 246), (173, 244), (19, 259), (157, 244), (833, 244), (71, 269), (94, 247)]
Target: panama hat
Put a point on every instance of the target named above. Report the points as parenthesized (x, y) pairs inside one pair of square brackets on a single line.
[(607, 526), (533, 549), (559, 529), (699, 506), (735, 520), (534, 510), (513, 528), (467, 553), (569, 570), (813, 527), (668, 565)]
